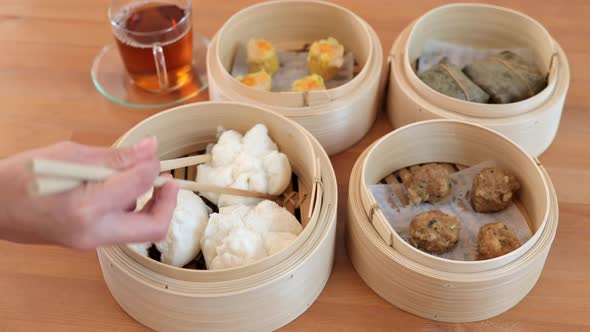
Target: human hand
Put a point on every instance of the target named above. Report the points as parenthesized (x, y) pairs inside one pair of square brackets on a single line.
[(93, 214)]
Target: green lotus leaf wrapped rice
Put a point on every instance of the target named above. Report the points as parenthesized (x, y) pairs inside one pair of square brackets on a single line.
[(506, 77), (449, 80)]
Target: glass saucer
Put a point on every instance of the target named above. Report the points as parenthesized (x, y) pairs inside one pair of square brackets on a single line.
[(110, 78)]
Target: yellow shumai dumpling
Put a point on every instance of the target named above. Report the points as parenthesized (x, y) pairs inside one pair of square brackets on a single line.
[(325, 57), (259, 81), (262, 56), (308, 83)]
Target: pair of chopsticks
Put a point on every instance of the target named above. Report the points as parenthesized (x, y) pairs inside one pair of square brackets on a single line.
[(52, 177)]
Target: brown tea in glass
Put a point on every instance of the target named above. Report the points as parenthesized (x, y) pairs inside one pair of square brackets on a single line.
[(155, 42)]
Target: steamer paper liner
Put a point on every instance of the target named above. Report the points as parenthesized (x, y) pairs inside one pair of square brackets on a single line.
[(400, 217), (461, 55), (293, 66)]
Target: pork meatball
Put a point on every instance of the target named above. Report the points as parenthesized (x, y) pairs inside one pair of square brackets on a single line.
[(495, 240), (493, 189), (435, 231), (427, 183)]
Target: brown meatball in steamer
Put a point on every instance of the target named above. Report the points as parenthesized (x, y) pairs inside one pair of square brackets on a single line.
[(427, 183), (495, 240), (493, 190), (435, 231)]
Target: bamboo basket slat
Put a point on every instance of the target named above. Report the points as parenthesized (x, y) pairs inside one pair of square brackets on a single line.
[(180, 173), (532, 123), (263, 296), (191, 171), (350, 108), (432, 287)]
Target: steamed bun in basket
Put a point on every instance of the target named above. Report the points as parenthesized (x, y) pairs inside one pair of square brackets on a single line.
[(183, 240), (250, 162), (240, 235)]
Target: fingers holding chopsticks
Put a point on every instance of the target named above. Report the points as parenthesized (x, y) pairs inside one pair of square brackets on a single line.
[(89, 213), (110, 203), (148, 224), (83, 197), (122, 189)]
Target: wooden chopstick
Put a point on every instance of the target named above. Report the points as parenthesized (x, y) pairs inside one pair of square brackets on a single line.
[(52, 177), (67, 170), (48, 185), (168, 165), (98, 173)]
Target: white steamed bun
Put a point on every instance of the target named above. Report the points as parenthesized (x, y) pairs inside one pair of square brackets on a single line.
[(240, 235), (183, 240), (250, 162)]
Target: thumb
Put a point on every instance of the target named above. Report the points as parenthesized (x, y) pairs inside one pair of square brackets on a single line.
[(123, 158)]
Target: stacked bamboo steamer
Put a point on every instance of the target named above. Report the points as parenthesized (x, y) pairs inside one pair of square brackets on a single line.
[(532, 123), (337, 117), (433, 287), (259, 297)]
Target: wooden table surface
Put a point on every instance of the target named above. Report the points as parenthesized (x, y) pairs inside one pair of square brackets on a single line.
[(47, 96)]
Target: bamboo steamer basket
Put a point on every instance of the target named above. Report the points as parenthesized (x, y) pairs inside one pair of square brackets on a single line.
[(337, 117), (259, 297), (433, 287), (532, 123)]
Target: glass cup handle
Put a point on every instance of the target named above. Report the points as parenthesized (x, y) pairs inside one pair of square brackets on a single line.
[(160, 62)]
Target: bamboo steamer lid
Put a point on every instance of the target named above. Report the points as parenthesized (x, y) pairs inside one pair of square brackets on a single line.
[(532, 123), (337, 117), (432, 287), (262, 296)]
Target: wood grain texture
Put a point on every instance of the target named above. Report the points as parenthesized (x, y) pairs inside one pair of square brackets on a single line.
[(47, 96)]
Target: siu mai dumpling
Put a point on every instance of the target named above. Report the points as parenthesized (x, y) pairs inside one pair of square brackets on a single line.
[(308, 83), (325, 57), (260, 80), (262, 56)]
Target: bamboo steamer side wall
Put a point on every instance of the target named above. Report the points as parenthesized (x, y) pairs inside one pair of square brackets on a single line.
[(482, 26), (291, 24), (532, 123), (436, 293), (261, 302), (258, 297)]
